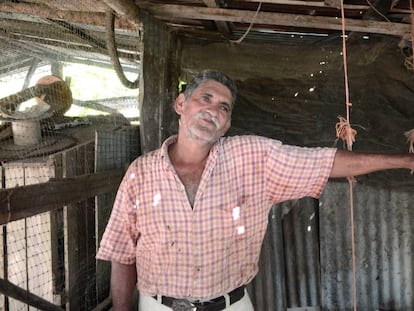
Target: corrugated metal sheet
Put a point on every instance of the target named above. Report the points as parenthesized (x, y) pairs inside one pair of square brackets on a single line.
[(306, 255), (384, 241), (289, 273)]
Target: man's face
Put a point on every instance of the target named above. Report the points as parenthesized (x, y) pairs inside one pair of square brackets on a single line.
[(206, 115)]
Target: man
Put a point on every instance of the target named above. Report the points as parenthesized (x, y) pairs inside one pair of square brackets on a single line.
[(189, 218)]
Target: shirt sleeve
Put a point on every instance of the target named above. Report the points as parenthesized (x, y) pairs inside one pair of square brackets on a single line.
[(121, 234), (294, 172)]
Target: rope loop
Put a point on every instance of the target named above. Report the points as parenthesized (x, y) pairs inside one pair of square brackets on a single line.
[(345, 132)]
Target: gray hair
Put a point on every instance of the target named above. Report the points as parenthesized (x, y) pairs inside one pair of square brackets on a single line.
[(211, 75)]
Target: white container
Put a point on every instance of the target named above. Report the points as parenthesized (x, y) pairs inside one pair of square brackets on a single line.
[(26, 133)]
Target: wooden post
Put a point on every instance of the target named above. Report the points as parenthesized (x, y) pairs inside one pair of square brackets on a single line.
[(3, 251), (159, 83), (77, 219)]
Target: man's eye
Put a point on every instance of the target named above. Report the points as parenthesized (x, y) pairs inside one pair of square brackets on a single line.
[(225, 108), (206, 98)]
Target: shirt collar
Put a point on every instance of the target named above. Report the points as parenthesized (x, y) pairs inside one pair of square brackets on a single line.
[(172, 139)]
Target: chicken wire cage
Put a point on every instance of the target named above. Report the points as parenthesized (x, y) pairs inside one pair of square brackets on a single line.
[(69, 73)]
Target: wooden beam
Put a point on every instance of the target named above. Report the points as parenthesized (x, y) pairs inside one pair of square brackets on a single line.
[(170, 11), (18, 293), (43, 33), (43, 11), (125, 8), (360, 7), (18, 203), (378, 11), (222, 27), (159, 75)]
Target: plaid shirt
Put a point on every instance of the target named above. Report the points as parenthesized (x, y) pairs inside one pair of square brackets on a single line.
[(214, 247)]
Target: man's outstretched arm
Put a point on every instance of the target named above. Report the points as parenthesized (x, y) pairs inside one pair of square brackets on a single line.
[(347, 163), (123, 282)]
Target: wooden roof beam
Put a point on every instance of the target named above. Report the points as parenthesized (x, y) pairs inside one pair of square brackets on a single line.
[(329, 3), (377, 12), (125, 8), (170, 11), (223, 27), (43, 11)]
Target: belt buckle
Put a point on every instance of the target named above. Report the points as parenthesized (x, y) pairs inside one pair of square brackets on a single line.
[(183, 305)]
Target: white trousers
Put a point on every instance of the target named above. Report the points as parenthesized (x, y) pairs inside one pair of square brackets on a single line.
[(147, 303)]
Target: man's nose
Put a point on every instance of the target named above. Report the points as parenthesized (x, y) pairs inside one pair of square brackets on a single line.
[(213, 110)]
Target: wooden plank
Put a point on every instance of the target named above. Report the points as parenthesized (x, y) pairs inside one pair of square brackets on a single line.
[(54, 193), (90, 240), (170, 11), (310, 4), (3, 253), (57, 240), (44, 11), (222, 27), (79, 233), (71, 237), (356, 7), (20, 294)]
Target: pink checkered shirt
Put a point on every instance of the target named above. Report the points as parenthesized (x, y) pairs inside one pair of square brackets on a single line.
[(214, 247)]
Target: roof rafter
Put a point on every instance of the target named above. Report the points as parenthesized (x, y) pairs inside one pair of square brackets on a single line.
[(171, 11), (222, 27)]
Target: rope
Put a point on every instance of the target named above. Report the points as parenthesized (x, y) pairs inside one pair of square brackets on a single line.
[(378, 12), (345, 131), (113, 52), (238, 41)]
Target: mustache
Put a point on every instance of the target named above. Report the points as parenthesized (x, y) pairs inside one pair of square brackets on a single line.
[(209, 117)]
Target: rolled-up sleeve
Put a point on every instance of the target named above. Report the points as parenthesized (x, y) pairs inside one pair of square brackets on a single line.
[(295, 172), (121, 234)]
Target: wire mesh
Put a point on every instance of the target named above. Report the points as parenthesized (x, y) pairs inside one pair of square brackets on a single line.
[(58, 89)]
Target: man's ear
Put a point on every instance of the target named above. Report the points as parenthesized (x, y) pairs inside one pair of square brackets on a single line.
[(179, 104)]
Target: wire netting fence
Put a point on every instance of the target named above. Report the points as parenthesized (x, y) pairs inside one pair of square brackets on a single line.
[(63, 113)]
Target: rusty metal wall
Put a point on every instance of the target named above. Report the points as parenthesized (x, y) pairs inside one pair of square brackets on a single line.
[(306, 254), (384, 241), (289, 274)]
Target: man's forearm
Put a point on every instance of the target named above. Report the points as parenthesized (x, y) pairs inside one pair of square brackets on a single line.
[(353, 164), (123, 282)]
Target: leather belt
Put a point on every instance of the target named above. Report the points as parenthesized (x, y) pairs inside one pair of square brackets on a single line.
[(216, 304)]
